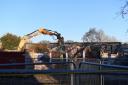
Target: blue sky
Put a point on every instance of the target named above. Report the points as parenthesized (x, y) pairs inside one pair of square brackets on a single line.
[(72, 18)]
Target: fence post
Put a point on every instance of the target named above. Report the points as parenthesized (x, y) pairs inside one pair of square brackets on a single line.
[(72, 75), (66, 57), (101, 76), (50, 55), (83, 55)]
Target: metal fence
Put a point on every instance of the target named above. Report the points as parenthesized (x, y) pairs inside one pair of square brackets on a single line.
[(107, 73), (66, 72)]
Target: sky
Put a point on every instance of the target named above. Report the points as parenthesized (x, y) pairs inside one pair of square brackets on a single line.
[(71, 18)]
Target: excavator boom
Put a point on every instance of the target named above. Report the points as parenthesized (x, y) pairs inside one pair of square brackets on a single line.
[(43, 31)]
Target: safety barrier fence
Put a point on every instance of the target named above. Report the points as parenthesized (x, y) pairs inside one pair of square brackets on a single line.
[(82, 73), (115, 78), (18, 64), (62, 71), (104, 65)]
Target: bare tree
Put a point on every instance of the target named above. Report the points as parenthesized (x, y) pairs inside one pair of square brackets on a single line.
[(90, 36), (94, 35), (124, 9)]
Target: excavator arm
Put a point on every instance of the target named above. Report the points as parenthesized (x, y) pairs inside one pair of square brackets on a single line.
[(43, 31)]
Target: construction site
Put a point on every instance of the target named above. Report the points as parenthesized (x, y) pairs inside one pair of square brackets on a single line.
[(60, 63), (63, 42)]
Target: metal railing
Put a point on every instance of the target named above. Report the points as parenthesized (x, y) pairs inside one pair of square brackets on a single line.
[(84, 72), (104, 65), (102, 76)]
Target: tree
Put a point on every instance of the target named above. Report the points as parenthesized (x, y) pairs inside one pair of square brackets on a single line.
[(10, 41), (90, 35), (94, 35), (124, 9)]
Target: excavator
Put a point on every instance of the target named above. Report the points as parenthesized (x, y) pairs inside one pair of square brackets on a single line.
[(18, 56), (26, 38)]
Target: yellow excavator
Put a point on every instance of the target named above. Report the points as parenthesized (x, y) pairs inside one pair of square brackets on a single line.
[(43, 31)]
